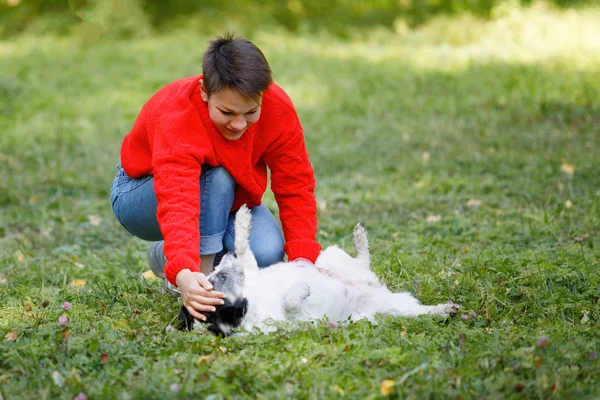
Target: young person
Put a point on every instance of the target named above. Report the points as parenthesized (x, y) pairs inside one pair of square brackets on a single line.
[(200, 149)]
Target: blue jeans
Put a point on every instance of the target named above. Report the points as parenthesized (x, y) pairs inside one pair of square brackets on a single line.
[(134, 204)]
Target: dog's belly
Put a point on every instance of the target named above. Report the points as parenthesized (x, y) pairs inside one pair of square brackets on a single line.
[(271, 295)]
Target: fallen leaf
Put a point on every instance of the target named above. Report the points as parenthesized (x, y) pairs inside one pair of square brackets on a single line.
[(135, 314), (205, 359), (79, 265), (339, 390), (103, 358), (322, 205), (78, 283), (433, 218), (149, 275), (66, 333), (27, 307), (58, 378), (388, 387), (568, 204), (3, 280), (20, 257), (95, 220), (567, 168), (473, 203), (585, 318), (403, 333), (383, 362), (11, 336), (74, 375)]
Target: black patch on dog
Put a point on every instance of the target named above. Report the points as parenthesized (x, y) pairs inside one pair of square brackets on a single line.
[(229, 314)]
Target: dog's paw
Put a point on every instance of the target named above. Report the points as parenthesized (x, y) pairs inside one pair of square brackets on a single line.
[(447, 310)]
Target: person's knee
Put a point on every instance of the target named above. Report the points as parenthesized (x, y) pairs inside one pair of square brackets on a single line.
[(220, 181), (269, 252)]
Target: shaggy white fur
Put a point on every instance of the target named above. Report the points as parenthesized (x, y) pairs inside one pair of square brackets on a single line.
[(337, 286)]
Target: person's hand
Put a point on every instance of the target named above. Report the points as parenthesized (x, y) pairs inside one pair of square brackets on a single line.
[(198, 294)]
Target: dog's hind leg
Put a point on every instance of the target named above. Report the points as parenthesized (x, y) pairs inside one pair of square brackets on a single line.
[(405, 304), (361, 244), (243, 224)]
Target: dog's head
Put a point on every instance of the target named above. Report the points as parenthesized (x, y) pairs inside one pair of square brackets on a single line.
[(228, 277)]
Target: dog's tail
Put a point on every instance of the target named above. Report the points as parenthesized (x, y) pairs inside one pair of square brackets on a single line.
[(243, 224), (361, 244)]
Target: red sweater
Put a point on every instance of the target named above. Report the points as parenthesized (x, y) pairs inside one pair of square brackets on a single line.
[(173, 136)]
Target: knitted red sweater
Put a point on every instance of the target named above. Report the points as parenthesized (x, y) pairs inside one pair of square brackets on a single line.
[(173, 136)]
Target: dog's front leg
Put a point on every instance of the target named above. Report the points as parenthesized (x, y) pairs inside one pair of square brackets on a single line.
[(294, 298)]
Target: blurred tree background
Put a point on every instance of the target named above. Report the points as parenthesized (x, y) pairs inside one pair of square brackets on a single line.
[(342, 18)]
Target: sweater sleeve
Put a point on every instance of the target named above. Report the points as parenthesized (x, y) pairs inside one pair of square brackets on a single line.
[(177, 164), (293, 183)]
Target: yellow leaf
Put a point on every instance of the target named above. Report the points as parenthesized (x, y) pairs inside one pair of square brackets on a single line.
[(10, 336), (567, 168), (433, 218), (204, 359), (387, 387), (339, 390), (78, 283), (149, 275)]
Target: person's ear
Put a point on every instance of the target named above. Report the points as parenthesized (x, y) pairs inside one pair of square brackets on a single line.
[(203, 91)]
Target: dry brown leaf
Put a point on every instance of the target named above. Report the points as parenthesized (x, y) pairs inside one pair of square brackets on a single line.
[(10, 336), (27, 307), (78, 283), (103, 358), (95, 220), (388, 387), (473, 203)]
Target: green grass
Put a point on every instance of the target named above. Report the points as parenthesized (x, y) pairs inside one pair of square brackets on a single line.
[(400, 129)]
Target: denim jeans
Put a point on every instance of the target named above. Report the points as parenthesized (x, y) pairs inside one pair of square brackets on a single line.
[(134, 204)]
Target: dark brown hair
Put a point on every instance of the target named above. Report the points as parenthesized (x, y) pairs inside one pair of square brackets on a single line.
[(237, 64)]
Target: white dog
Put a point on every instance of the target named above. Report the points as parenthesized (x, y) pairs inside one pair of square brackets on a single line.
[(337, 286)]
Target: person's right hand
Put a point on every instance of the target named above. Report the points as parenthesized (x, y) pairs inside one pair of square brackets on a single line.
[(198, 294)]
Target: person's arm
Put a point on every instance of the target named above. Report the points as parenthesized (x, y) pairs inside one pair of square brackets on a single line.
[(177, 162), (293, 183)]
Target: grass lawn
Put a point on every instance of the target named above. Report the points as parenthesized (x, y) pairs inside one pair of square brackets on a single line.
[(468, 150)]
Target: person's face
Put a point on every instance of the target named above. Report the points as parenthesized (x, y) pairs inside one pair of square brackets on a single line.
[(231, 112)]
